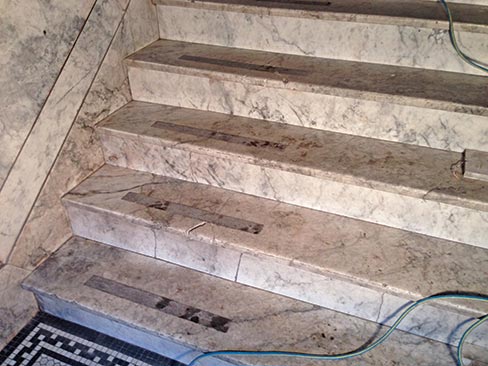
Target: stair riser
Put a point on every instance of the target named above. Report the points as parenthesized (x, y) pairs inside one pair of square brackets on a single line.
[(264, 272), (404, 212), (367, 42), (143, 338), (383, 120)]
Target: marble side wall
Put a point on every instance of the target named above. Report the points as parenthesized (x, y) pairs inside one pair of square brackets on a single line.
[(35, 39), (65, 151)]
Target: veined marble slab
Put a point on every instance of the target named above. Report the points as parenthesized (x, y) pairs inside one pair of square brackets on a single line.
[(259, 320), (47, 226), (416, 13), (46, 138), (402, 41), (428, 108), (17, 306), (351, 266), (402, 186)]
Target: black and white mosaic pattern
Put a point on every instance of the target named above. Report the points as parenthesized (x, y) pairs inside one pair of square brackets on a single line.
[(49, 341)]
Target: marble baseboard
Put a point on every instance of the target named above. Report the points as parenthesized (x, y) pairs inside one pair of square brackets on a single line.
[(392, 44), (81, 153), (438, 219), (17, 306), (258, 319), (407, 124), (295, 255)]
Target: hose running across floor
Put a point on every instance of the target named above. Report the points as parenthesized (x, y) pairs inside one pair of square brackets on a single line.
[(373, 345)]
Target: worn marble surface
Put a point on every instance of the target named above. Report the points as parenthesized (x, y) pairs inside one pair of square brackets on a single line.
[(268, 97), (54, 122), (300, 252), (476, 165), (35, 39), (439, 215), (81, 154), (17, 306), (409, 170), (413, 45), (381, 83), (259, 320), (417, 13)]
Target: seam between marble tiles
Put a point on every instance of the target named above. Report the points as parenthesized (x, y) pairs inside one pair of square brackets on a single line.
[(32, 204)]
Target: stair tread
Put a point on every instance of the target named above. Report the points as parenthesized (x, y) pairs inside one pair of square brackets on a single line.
[(409, 264), (129, 288), (387, 166), (350, 79), (403, 12)]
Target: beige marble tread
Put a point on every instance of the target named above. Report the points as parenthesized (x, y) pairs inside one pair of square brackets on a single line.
[(407, 264), (425, 173), (417, 13), (439, 90), (130, 289)]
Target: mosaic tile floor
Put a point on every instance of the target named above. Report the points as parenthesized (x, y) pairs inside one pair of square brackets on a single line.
[(49, 341)]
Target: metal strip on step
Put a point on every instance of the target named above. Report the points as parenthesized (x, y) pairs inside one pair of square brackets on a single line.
[(194, 213), (153, 301), (243, 65), (298, 2), (204, 133)]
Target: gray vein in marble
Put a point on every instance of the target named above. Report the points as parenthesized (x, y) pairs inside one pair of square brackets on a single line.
[(81, 154), (382, 83), (260, 320), (373, 43), (383, 258), (35, 39), (415, 13), (408, 170), (40, 150)]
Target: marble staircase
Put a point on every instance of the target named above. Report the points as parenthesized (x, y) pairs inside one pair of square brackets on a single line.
[(287, 165)]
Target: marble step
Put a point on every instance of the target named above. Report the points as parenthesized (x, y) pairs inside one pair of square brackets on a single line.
[(411, 33), (357, 268), (420, 107), (179, 312), (407, 187)]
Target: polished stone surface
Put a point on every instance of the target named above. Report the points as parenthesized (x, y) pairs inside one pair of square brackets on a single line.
[(277, 87), (35, 39), (398, 41), (401, 186), (417, 13), (17, 306), (259, 320), (81, 154), (300, 252)]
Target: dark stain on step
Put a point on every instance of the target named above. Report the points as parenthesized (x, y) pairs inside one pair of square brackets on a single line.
[(204, 133), (243, 65), (161, 303), (174, 208)]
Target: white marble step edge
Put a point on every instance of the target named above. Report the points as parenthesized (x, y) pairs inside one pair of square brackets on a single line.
[(424, 46), (125, 320), (428, 217), (269, 273), (248, 97)]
